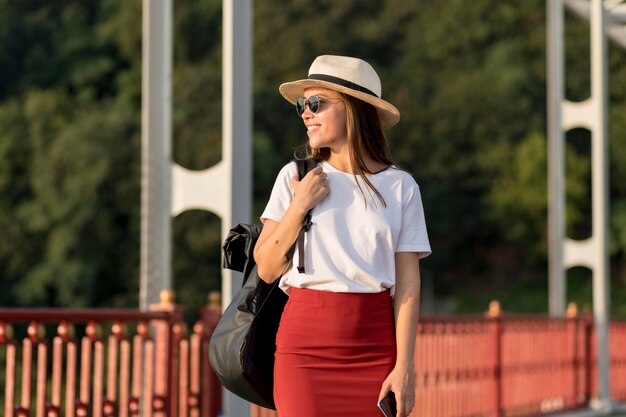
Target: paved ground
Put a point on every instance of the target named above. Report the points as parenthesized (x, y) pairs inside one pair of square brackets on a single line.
[(619, 410)]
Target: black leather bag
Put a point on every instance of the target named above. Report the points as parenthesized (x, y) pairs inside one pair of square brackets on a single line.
[(242, 347)]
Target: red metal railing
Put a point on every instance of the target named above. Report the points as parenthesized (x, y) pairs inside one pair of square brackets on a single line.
[(510, 365), (617, 358), (156, 371), (128, 363), (500, 366)]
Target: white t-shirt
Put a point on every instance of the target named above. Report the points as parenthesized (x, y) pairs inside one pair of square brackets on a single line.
[(351, 247)]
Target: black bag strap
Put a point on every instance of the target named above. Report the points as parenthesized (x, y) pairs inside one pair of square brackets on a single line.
[(304, 166)]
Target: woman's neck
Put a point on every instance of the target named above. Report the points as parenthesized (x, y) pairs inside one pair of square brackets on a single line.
[(343, 163)]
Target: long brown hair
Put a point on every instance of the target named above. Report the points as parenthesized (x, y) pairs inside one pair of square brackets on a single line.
[(365, 137)]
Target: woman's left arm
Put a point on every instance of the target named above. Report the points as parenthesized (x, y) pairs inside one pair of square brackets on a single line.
[(406, 309)]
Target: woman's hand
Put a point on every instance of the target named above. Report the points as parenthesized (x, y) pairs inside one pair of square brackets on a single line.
[(406, 311), (277, 237), (402, 382), (311, 189)]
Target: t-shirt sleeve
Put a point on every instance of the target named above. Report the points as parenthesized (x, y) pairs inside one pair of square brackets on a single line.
[(282, 194), (413, 235)]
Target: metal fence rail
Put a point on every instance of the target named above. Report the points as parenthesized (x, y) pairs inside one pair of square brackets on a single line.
[(126, 363), (499, 365)]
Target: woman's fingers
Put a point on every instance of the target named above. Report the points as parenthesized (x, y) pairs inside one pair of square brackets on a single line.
[(404, 402), (405, 405), (400, 405), (318, 169), (409, 407), (384, 391), (313, 176), (312, 188), (316, 174)]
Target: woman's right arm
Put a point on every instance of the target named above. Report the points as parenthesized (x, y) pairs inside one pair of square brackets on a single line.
[(278, 237)]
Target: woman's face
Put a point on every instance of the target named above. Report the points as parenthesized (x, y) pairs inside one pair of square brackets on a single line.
[(327, 127)]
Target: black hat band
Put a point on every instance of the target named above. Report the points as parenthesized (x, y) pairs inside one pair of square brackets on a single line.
[(342, 82)]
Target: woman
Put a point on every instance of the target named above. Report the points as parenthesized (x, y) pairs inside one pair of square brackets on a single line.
[(347, 334)]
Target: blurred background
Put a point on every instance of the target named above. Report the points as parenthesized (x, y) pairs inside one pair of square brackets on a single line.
[(469, 78)]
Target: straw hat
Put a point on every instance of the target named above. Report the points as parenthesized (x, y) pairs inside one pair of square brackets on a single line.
[(351, 76)]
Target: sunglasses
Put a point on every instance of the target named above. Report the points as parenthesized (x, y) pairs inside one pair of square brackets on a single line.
[(313, 102)]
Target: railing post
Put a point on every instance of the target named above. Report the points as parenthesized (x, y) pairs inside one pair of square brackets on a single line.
[(588, 356), (211, 388), (572, 339), (166, 361), (494, 314), (6, 338)]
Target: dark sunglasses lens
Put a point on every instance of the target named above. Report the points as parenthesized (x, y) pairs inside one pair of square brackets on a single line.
[(314, 103), (300, 106)]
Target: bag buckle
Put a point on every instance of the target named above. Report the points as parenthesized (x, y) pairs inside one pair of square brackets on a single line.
[(307, 223)]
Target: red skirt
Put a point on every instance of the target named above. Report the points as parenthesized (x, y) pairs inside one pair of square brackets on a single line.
[(333, 352)]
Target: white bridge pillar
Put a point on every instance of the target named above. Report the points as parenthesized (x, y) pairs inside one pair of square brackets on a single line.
[(169, 189), (591, 114)]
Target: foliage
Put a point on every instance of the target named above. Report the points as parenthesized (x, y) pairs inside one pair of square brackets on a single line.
[(468, 77)]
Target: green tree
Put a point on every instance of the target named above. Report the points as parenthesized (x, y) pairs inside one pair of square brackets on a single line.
[(468, 78)]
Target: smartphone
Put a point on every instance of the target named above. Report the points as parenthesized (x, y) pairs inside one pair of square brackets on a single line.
[(388, 405)]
